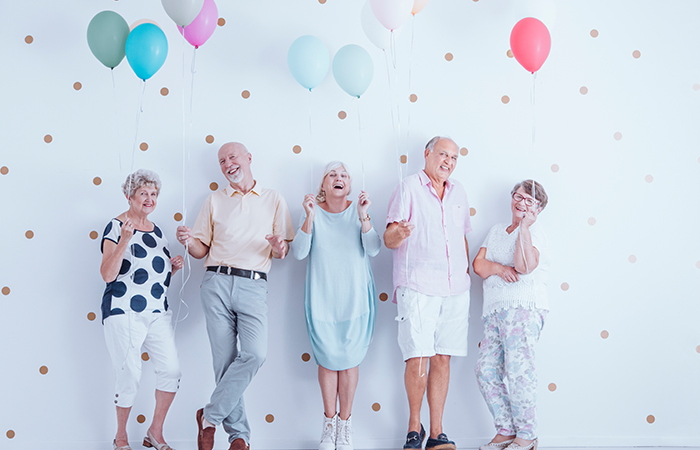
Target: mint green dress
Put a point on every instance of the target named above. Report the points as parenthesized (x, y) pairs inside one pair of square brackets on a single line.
[(340, 300)]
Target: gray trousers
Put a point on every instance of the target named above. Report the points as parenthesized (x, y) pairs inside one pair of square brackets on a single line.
[(235, 310)]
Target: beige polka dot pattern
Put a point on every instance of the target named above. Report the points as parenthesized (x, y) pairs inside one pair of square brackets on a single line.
[(413, 98), (651, 418), (583, 90), (449, 56), (209, 139), (305, 357), (649, 178), (342, 115), (604, 334), (269, 418), (296, 149), (5, 290), (213, 186), (505, 99), (29, 39), (555, 168), (43, 370), (594, 33), (696, 87), (77, 85), (91, 316), (383, 296), (463, 151), (472, 212), (245, 94), (636, 54), (144, 356), (404, 159), (29, 234), (552, 387), (164, 91), (94, 235), (221, 22), (509, 53), (177, 217), (97, 181), (632, 259), (376, 407), (4, 170), (617, 135), (48, 138), (143, 146), (591, 221), (140, 418), (565, 286)]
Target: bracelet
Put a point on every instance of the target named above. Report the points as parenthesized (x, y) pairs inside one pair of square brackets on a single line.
[(366, 219)]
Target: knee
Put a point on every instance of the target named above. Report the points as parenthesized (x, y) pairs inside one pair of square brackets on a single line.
[(255, 358)]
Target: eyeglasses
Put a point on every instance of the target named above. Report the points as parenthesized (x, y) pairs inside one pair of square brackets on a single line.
[(529, 201)]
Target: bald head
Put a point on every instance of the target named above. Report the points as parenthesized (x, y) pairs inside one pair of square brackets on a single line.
[(233, 146), (234, 161)]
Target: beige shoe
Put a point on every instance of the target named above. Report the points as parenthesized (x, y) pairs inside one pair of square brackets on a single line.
[(514, 446), (496, 446), (150, 441), (114, 446)]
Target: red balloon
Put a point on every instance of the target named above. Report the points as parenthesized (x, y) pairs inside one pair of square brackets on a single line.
[(530, 43)]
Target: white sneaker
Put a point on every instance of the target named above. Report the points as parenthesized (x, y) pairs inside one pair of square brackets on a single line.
[(344, 439), (330, 431)]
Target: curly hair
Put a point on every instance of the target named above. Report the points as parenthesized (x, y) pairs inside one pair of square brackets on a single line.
[(139, 179)]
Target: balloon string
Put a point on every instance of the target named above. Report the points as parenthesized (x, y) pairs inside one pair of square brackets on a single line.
[(393, 123), (393, 49), (116, 126), (532, 103), (311, 140), (410, 66), (136, 134), (359, 133)]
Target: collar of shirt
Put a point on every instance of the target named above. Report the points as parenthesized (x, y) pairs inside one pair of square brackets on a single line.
[(425, 180), (230, 191)]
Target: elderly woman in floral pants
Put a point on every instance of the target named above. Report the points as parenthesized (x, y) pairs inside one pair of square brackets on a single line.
[(513, 263)]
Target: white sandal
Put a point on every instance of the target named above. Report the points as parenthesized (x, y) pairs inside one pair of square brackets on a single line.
[(114, 446), (150, 441), (496, 445)]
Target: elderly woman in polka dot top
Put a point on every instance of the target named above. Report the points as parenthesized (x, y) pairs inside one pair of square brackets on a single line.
[(513, 261), (137, 267)]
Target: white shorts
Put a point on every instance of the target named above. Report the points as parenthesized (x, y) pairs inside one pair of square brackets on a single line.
[(430, 325), (125, 334)]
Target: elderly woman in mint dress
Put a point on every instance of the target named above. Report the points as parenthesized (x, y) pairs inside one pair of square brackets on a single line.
[(339, 296)]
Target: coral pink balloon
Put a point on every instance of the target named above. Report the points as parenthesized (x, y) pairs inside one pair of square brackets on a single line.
[(203, 26), (418, 6), (391, 13), (530, 43)]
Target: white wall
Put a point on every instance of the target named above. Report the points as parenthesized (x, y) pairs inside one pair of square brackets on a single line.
[(606, 389)]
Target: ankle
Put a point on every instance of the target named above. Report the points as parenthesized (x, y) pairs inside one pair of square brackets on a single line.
[(502, 438)]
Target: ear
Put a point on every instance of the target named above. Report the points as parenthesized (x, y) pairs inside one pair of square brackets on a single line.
[(427, 152)]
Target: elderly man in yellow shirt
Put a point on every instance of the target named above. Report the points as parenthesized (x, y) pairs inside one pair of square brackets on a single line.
[(239, 229)]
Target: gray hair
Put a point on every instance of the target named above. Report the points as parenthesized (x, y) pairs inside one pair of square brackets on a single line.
[(333, 165), (433, 142), (540, 195), (139, 179)]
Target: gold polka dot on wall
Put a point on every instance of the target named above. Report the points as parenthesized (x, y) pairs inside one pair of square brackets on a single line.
[(696, 87), (177, 217), (29, 39), (594, 33), (697, 264), (10, 434), (565, 286), (164, 91), (245, 94), (209, 139), (5, 290), (383, 296), (305, 357), (472, 212), (617, 135), (296, 149), (97, 181), (29, 234), (48, 138), (322, 1), (552, 387), (140, 418), (632, 259), (555, 168), (649, 178), (4, 170), (269, 418), (651, 418), (449, 56), (143, 146), (403, 159), (94, 235), (91, 316), (505, 99), (342, 115), (636, 54), (413, 98), (376, 407), (583, 90), (213, 186), (463, 151), (43, 370), (145, 356), (591, 221), (604, 334), (221, 22), (697, 349), (509, 53), (77, 85)]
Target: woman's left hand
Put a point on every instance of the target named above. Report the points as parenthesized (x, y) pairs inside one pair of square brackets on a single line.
[(363, 204), (529, 218), (177, 262)]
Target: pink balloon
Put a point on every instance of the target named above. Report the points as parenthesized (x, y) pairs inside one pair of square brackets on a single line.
[(530, 43), (418, 6), (391, 13), (203, 26)]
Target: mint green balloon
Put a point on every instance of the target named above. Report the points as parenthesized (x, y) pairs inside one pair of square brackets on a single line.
[(106, 36)]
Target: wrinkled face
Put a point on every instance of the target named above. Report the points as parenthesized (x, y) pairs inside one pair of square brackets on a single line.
[(145, 199), (234, 161), (440, 163), (522, 202), (336, 183)]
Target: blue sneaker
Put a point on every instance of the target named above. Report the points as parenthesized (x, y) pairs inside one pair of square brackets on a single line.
[(440, 443), (414, 440)]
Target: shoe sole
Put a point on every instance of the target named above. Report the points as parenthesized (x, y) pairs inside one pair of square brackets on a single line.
[(442, 447)]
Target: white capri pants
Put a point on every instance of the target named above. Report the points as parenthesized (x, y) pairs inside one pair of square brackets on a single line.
[(125, 335)]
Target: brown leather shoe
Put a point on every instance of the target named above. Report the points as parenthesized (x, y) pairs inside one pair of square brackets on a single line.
[(239, 444), (205, 436)]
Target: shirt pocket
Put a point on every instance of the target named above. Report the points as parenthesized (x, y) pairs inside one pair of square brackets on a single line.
[(458, 215)]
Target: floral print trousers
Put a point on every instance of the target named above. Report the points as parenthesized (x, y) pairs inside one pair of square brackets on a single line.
[(505, 369)]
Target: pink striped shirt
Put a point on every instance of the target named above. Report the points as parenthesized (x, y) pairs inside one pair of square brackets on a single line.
[(433, 260)]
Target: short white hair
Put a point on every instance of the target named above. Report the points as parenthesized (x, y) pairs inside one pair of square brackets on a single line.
[(333, 165), (139, 179), (433, 142)]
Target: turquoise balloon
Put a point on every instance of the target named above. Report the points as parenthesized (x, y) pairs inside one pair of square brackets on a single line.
[(146, 49), (308, 60), (353, 69), (106, 36)]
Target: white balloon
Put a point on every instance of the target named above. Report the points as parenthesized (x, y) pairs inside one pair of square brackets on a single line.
[(375, 31), (183, 12)]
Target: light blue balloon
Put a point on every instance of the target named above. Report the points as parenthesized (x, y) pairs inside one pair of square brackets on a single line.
[(146, 49), (308, 60), (353, 69)]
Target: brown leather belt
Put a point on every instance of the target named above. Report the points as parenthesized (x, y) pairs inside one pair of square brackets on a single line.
[(251, 274)]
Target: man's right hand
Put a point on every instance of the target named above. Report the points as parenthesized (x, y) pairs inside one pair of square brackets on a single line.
[(396, 233), (184, 234)]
